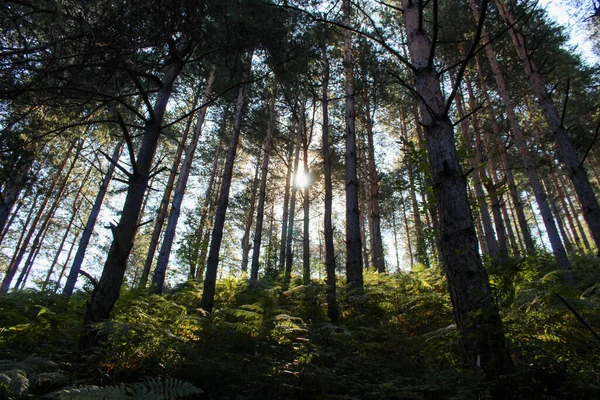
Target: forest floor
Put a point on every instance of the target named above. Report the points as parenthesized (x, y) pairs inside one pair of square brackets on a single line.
[(397, 340)]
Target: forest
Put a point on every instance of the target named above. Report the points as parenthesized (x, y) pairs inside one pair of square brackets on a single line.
[(294, 199)]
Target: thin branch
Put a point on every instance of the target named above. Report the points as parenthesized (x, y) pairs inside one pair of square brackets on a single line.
[(129, 143), (115, 163), (591, 144), (564, 111), (578, 316)]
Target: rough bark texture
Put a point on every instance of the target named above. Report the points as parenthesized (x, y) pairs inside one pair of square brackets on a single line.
[(575, 169), (11, 188), (91, 222), (262, 194), (212, 264), (107, 291), (158, 280), (354, 259), (475, 311), (286, 203), (305, 205)]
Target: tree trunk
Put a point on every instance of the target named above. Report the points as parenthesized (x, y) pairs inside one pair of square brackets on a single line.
[(354, 260), (285, 213), (562, 190), (208, 294), (158, 279), (514, 126), (250, 217), (408, 240), (491, 244), (166, 199), (489, 184), (377, 258), (91, 222), (558, 218), (306, 204), (214, 202), (262, 194), (330, 264), (74, 211), (11, 188), (575, 169), (475, 311), (107, 291), (67, 261), (289, 254), (20, 252)]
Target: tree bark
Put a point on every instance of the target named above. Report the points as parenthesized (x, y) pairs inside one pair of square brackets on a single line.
[(74, 211), (330, 263), (208, 294), (107, 291), (91, 222), (354, 259), (20, 252), (262, 194), (285, 213), (289, 254), (11, 188), (575, 169), (250, 216), (160, 271), (475, 311), (306, 204), (161, 216)]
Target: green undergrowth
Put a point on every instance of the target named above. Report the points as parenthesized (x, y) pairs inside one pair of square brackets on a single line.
[(397, 340)]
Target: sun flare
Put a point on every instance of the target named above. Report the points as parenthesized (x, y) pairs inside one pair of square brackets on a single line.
[(302, 180)]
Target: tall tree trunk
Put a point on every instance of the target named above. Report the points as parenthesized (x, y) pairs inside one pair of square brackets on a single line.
[(489, 184), (67, 261), (107, 290), (567, 212), (289, 254), (475, 311), (514, 125), (20, 252), (562, 190), (214, 202), (306, 203), (395, 233), (286, 201), (11, 188), (558, 218), (161, 216), (408, 240), (158, 279), (262, 194), (354, 259), (246, 245), (91, 222), (575, 169), (491, 244), (557, 247), (74, 211), (208, 294), (377, 258), (330, 264)]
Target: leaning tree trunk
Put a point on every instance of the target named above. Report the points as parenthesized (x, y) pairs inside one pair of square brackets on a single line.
[(557, 247), (11, 188), (13, 266), (166, 199), (491, 244), (91, 222), (562, 190), (208, 294), (354, 259), (74, 211), (158, 279), (107, 290), (262, 194), (330, 264), (575, 169), (475, 311)]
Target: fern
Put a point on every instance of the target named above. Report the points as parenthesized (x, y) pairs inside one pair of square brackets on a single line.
[(151, 390)]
